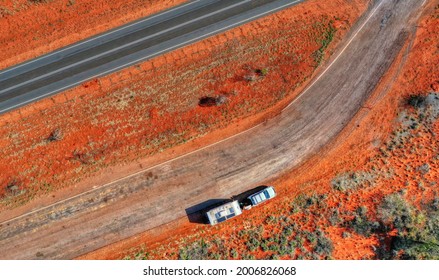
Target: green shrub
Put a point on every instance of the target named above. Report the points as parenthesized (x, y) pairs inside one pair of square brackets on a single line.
[(252, 244), (198, 250), (361, 224), (273, 247), (264, 245), (328, 36), (395, 211), (324, 246), (334, 218), (234, 253), (418, 230)]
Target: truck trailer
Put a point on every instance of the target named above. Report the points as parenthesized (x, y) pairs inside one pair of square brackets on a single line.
[(224, 212)]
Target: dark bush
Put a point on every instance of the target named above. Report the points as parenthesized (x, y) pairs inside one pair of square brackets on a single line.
[(261, 72), (13, 188), (416, 100), (324, 246), (209, 101), (55, 135)]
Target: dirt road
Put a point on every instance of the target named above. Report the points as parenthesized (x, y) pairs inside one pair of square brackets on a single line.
[(163, 193)]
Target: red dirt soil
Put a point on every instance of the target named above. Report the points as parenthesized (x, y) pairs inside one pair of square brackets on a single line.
[(150, 107), (32, 28), (366, 145)]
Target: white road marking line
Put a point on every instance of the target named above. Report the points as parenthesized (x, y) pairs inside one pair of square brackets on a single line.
[(95, 188), (121, 47), (338, 56), (144, 58), (99, 36)]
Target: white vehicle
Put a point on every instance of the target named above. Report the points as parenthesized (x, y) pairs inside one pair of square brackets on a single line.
[(224, 212), (261, 196)]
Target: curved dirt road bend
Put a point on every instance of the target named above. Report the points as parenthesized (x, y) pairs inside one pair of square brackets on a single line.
[(162, 193)]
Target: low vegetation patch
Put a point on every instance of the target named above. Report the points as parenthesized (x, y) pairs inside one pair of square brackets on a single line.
[(278, 237), (353, 180), (417, 229), (328, 36), (361, 224)]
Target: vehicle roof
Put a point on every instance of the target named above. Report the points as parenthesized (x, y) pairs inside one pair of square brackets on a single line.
[(262, 195), (224, 212)]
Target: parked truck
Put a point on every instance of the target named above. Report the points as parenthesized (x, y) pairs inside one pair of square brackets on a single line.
[(224, 212), (234, 208)]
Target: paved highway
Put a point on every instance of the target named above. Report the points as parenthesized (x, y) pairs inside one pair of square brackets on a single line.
[(125, 46), (168, 191)]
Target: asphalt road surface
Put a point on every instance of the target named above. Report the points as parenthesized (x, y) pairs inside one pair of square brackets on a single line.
[(125, 46), (165, 192)]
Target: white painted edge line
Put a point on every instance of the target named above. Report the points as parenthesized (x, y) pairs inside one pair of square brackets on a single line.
[(100, 36), (338, 56), (95, 188), (123, 46), (146, 57)]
